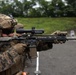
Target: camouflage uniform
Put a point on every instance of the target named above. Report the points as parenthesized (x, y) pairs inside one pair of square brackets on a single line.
[(11, 58), (8, 58), (7, 22)]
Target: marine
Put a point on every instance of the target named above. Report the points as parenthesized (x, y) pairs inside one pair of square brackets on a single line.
[(11, 56)]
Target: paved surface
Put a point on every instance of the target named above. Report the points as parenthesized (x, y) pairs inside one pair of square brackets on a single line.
[(61, 60)]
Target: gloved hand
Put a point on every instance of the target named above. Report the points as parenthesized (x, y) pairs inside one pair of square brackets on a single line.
[(59, 33), (20, 48)]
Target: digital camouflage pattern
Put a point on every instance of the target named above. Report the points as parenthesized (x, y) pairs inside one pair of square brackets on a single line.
[(12, 59), (7, 59), (6, 21), (11, 56)]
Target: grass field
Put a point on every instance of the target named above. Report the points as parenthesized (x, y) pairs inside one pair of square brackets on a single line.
[(49, 24)]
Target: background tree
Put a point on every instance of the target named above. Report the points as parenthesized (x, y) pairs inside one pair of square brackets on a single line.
[(25, 8), (44, 6), (35, 12), (71, 6), (27, 5), (17, 8), (58, 7)]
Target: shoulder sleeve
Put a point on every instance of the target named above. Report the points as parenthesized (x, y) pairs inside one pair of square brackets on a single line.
[(8, 58)]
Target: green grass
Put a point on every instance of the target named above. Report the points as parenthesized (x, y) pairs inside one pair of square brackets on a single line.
[(49, 24)]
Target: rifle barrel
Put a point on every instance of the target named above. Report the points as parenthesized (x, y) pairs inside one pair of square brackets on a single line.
[(71, 38)]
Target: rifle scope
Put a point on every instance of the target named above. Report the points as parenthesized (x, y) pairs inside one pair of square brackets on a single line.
[(32, 31)]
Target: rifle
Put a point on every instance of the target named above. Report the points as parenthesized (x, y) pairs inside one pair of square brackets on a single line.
[(35, 39)]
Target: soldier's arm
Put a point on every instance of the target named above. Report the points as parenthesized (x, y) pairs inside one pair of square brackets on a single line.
[(10, 57), (7, 59)]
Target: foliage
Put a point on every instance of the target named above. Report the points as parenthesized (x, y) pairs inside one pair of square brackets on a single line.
[(25, 8), (72, 4)]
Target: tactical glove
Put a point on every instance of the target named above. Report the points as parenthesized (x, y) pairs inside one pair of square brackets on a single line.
[(59, 33)]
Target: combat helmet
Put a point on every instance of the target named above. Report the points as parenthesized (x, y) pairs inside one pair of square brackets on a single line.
[(7, 22)]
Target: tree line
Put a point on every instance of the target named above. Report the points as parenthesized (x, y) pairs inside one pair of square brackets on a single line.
[(26, 8)]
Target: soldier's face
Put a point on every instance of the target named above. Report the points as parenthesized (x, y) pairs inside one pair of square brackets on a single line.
[(7, 31)]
